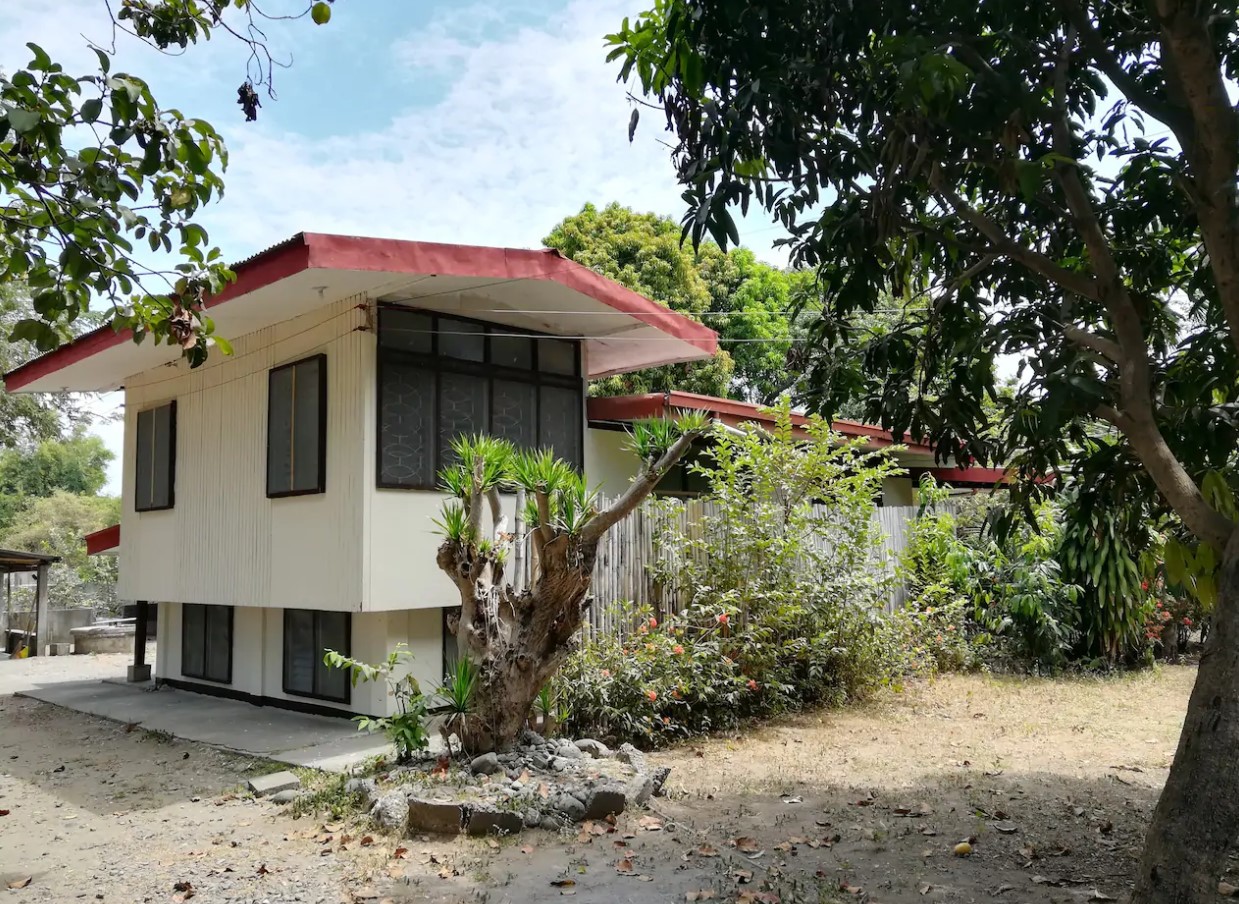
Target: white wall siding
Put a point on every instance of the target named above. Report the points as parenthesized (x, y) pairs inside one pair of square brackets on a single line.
[(224, 541), (609, 465)]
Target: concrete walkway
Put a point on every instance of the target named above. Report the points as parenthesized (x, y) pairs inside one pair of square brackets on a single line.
[(298, 739)]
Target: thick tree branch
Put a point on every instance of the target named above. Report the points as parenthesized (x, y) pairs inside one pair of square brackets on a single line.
[(637, 490), (1076, 283), (1160, 108), (1194, 73), (1107, 349)]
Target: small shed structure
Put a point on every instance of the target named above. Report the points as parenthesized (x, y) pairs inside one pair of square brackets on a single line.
[(14, 561)]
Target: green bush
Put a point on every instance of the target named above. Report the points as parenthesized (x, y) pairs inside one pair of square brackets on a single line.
[(704, 671)]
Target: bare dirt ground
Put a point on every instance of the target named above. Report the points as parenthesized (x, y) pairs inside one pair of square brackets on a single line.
[(1053, 781)]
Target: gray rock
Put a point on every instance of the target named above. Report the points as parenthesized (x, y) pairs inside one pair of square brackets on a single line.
[(530, 738), (532, 818), (550, 823), (639, 789), (517, 787), (285, 797), (441, 817), (559, 764), (484, 821), (486, 764), (596, 749), (631, 756), (605, 802), (569, 751), (569, 806), (391, 812), (540, 760), (659, 777), (263, 785), (364, 786)]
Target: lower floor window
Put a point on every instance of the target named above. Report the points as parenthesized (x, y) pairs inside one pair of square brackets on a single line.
[(206, 643), (308, 634)]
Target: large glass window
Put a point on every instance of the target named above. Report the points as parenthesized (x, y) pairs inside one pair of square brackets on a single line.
[(206, 642), (297, 428), (155, 465), (443, 377), (308, 633)]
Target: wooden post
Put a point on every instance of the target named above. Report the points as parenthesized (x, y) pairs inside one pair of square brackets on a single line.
[(43, 621), (140, 671)]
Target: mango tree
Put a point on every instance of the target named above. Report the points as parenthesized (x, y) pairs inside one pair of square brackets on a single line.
[(518, 634), (1059, 181)]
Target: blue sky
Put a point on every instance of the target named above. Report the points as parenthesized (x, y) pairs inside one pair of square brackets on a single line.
[(475, 122)]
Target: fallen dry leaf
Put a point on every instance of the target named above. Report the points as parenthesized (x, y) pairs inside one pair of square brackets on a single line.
[(527, 849), (399, 853), (704, 894), (742, 876), (492, 844), (563, 883), (650, 823), (746, 845), (1226, 890), (624, 866), (1097, 895), (367, 840), (707, 850), (262, 870), (22, 882), (4, 812)]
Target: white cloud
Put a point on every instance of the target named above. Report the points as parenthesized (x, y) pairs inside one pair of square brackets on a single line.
[(530, 126)]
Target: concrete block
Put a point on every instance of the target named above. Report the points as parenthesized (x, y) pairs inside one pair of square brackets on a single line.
[(273, 783), (59, 649), (606, 802), (442, 817), (137, 673), (494, 822)]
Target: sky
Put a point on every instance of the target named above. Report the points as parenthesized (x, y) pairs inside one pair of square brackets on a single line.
[(470, 122)]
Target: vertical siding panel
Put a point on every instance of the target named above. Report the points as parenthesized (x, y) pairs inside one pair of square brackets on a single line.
[(225, 541)]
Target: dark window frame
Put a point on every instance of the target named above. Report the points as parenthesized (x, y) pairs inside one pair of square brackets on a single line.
[(320, 484), (231, 641), (437, 365), (171, 458), (347, 651)]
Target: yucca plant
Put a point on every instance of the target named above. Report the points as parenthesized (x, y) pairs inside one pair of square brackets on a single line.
[(516, 639), (456, 695)]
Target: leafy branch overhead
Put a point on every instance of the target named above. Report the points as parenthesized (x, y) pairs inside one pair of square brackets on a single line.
[(100, 183)]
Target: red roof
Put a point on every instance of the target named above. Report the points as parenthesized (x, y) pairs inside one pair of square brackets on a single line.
[(729, 411), (102, 540), (383, 257)]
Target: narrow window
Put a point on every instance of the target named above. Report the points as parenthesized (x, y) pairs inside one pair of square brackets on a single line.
[(206, 642), (155, 467), (308, 633), (297, 428)]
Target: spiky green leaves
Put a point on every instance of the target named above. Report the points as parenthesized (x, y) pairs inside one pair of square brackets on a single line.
[(651, 438)]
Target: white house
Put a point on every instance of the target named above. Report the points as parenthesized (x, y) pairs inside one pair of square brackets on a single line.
[(279, 501)]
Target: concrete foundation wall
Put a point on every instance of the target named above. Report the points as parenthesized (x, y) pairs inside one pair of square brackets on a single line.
[(258, 654)]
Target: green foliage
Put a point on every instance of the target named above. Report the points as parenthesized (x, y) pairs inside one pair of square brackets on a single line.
[(57, 525), (707, 670), (783, 604), (76, 464), (1045, 178), (407, 728), (456, 695), (743, 300)]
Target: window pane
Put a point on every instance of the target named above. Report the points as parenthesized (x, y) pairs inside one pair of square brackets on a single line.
[(161, 449), (513, 413), (307, 416), (406, 425), (299, 656), (218, 636), (462, 411), (193, 630), (279, 431), (557, 356), (408, 331), (462, 339), (559, 423), (332, 635), (144, 461), (511, 351)]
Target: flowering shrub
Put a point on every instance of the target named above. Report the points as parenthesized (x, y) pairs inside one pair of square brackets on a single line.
[(698, 672)]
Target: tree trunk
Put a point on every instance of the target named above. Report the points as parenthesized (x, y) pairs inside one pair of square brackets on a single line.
[(1197, 817), (504, 699)]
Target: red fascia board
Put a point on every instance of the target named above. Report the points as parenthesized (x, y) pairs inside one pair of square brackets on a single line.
[(977, 476), (635, 407), (310, 250), (261, 270), (100, 540)]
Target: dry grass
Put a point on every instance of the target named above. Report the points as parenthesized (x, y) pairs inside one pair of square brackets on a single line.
[(1077, 727)]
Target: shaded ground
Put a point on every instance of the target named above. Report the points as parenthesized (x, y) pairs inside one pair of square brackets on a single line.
[(1053, 780)]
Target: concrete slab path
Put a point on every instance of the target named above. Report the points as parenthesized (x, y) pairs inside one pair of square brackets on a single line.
[(96, 685), (299, 739)]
